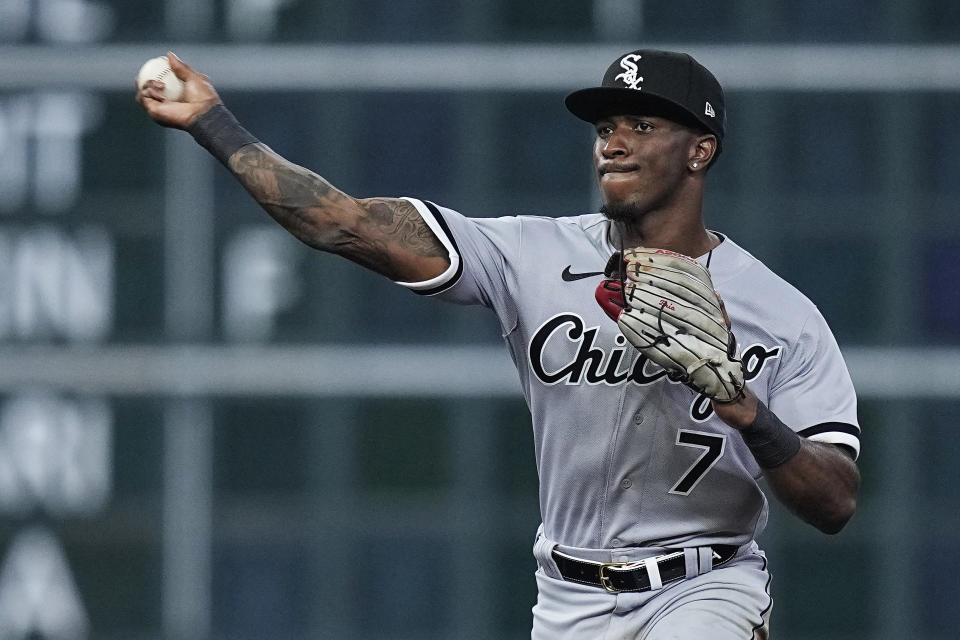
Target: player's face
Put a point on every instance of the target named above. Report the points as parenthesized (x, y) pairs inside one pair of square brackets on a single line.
[(640, 162)]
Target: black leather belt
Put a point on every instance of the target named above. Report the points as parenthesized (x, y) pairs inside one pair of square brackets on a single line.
[(616, 577)]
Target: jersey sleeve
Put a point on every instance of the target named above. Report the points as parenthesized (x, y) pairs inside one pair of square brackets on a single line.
[(483, 253), (812, 391)]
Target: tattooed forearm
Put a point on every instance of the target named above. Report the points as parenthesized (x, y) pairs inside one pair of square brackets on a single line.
[(399, 219), (292, 195), (384, 234)]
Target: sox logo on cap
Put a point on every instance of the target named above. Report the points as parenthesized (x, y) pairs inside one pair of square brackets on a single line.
[(629, 75)]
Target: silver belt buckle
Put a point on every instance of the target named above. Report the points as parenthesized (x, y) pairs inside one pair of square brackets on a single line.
[(605, 581)]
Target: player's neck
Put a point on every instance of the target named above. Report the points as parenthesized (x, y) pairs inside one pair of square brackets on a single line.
[(666, 230), (674, 223)]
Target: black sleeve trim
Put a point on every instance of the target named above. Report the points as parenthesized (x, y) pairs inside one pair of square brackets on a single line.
[(827, 427), (453, 242)]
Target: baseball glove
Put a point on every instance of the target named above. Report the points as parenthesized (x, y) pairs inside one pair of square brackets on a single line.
[(666, 306)]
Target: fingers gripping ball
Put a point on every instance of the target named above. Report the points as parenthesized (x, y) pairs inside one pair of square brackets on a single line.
[(666, 306), (159, 69)]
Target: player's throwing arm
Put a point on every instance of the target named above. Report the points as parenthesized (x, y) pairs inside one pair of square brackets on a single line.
[(386, 235)]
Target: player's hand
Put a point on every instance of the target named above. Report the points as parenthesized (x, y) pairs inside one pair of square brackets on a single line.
[(198, 96), (740, 413)]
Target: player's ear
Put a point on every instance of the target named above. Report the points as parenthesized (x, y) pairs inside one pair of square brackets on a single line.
[(702, 151)]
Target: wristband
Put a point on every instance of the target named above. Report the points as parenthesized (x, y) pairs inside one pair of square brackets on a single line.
[(771, 442), (218, 132)]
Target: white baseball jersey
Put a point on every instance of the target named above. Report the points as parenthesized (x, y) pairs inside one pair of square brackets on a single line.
[(627, 457)]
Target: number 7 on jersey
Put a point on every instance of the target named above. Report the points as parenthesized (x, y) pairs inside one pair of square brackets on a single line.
[(712, 445)]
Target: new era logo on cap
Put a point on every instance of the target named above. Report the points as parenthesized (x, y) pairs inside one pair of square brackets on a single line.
[(709, 111)]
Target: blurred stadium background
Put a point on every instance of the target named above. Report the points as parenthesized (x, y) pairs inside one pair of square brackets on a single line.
[(208, 431)]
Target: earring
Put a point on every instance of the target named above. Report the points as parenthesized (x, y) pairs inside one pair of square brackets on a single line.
[(696, 164)]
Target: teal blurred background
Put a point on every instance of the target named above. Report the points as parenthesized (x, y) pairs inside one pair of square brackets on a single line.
[(209, 431)]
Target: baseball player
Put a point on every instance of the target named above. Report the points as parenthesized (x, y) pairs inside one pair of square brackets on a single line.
[(652, 430)]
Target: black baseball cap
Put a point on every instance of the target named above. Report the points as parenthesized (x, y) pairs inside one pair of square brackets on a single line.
[(671, 84)]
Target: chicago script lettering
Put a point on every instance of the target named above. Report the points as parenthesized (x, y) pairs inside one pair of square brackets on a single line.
[(590, 364), (593, 364)]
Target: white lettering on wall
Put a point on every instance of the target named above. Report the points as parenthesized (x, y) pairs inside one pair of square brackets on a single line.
[(38, 596), (55, 453), (260, 281), (61, 21), (253, 19), (40, 134), (55, 284)]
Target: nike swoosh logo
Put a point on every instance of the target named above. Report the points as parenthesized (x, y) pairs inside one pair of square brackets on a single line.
[(572, 277)]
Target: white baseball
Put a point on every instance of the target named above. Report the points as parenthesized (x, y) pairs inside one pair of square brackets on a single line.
[(159, 69)]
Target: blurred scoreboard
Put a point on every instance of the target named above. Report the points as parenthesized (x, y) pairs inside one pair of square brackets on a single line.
[(104, 247), (165, 411)]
